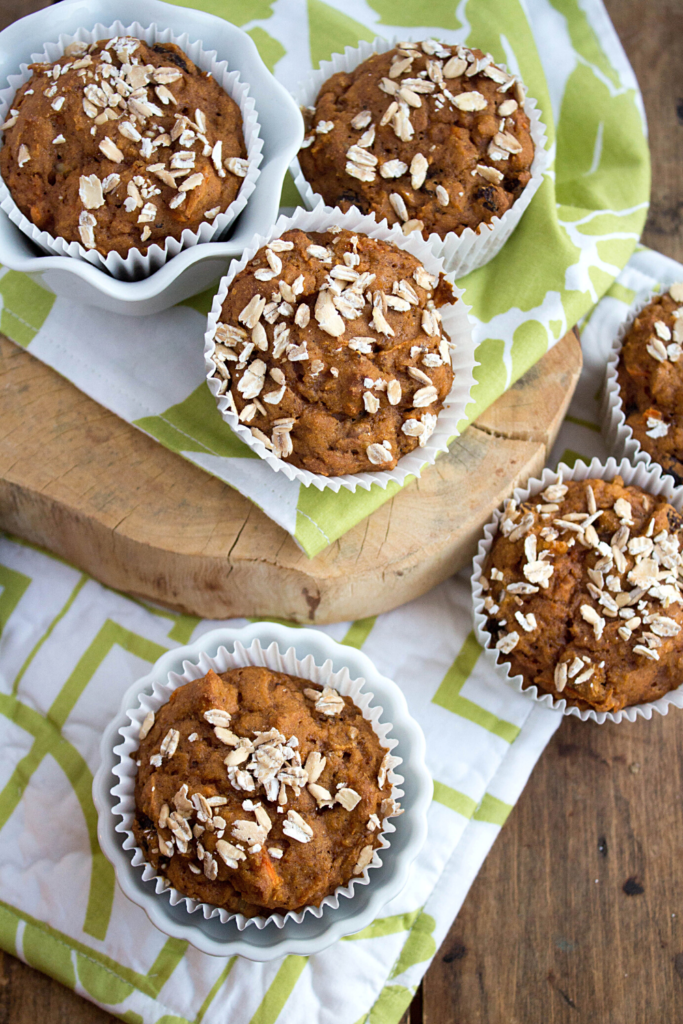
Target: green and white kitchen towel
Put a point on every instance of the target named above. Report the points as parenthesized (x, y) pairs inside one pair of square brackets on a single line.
[(576, 236), (69, 648)]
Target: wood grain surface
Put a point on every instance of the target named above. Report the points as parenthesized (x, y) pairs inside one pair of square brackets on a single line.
[(651, 32), (176, 535), (539, 940)]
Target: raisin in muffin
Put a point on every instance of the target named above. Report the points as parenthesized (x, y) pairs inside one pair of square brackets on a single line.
[(260, 792), (583, 595), (120, 144), (430, 136), (650, 376), (330, 349)]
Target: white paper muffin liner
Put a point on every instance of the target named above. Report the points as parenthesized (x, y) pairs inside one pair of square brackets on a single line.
[(273, 658), (618, 435), (460, 253), (652, 480), (456, 325), (137, 265)]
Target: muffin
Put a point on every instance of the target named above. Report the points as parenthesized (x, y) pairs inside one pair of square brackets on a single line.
[(329, 347), (650, 378), (429, 136), (119, 145), (582, 593), (260, 792)]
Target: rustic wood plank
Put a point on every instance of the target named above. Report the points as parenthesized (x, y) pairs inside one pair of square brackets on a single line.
[(576, 913), (11, 10), (651, 32), (175, 535)]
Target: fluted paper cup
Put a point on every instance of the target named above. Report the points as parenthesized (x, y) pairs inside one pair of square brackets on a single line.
[(617, 433), (278, 660), (137, 264), (456, 325), (652, 480), (460, 253)]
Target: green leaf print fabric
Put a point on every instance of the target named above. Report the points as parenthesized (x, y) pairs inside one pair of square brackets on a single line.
[(577, 234)]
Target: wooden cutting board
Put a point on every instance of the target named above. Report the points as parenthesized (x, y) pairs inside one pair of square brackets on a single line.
[(86, 485)]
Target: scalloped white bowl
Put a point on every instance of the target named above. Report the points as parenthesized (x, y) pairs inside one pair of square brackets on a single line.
[(312, 934), (195, 269)]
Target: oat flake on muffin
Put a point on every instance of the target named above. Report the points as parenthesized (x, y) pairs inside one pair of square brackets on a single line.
[(330, 349), (120, 144), (583, 593), (432, 137)]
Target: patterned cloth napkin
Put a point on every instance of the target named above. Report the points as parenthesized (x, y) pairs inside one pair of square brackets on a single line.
[(69, 648), (577, 234)]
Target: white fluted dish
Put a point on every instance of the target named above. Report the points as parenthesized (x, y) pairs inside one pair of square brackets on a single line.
[(195, 269), (311, 933)]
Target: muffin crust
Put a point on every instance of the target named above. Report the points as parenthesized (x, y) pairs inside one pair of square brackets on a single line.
[(650, 375), (430, 136), (330, 348), (119, 145), (259, 791), (583, 593)]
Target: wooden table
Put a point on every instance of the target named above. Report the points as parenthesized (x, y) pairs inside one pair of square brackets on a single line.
[(576, 914)]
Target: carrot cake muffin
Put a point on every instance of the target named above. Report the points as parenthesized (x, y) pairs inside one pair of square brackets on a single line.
[(260, 792), (583, 595), (430, 136), (330, 348), (650, 375), (120, 144)]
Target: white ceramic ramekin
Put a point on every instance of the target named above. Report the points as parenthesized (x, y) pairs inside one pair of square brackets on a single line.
[(455, 324), (303, 649), (277, 660), (192, 270), (651, 479), (460, 253), (137, 264)]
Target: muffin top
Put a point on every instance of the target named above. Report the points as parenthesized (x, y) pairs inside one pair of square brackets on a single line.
[(583, 596), (118, 145), (259, 791), (330, 348), (650, 375), (432, 137)]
